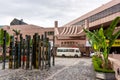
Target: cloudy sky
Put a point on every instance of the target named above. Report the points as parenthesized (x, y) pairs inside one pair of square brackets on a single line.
[(45, 12)]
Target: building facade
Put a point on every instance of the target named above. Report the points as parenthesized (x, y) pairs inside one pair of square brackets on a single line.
[(72, 34), (30, 30)]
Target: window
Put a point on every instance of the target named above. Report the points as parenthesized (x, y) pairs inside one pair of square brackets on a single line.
[(104, 13), (65, 50), (72, 42), (80, 23), (64, 42), (71, 50), (50, 33), (60, 50), (67, 42), (77, 51), (76, 42)]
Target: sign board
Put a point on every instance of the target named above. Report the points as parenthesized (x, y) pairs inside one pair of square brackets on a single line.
[(115, 44)]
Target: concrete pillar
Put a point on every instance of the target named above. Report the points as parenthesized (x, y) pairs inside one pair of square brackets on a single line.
[(56, 24), (87, 47)]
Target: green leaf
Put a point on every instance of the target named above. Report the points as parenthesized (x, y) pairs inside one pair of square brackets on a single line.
[(2, 35), (111, 29), (113, 38), (98, 38)]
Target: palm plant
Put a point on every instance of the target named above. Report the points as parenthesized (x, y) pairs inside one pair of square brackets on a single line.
[(2, 36), (98, 39), (111, 36), (17, 32)]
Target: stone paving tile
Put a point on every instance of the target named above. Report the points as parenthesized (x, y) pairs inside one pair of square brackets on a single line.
[(22, 74), (80, 69)]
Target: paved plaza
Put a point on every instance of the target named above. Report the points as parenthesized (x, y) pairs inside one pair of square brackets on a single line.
[(64, 69)]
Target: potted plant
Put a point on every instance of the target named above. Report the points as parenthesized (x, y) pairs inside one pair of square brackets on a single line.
[(98, 39)]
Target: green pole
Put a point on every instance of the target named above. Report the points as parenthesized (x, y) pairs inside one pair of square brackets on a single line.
[(4, 49), (10, 53)]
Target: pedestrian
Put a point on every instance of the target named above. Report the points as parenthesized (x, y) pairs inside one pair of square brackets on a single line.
[(118, 71)]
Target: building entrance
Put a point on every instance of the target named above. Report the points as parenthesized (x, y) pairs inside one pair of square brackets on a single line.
[(116, 50)]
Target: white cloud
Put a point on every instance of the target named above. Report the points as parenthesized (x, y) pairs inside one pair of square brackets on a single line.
[(45, 12)]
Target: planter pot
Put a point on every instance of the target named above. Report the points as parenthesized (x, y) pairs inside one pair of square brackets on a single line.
[(105, 76)]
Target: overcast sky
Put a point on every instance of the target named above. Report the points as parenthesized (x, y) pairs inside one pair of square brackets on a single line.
[(45, 12)]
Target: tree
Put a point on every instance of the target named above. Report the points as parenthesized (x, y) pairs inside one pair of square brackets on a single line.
[(98, 38), (17, 32), (2, 36)]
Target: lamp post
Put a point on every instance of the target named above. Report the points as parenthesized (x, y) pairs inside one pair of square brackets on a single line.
[(54, 47)]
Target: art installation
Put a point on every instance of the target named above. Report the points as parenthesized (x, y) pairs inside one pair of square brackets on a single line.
[(28, 53)]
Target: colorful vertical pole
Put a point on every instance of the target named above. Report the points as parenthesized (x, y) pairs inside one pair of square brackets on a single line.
[(19, 54), (4, 49), (40, 55), (49, 54), (28, 50), (23, 54), (42, 52), (34, 51), (31, 52), (21, 39), (11, 52), (45, 50), (37, 51), (16, 53)]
